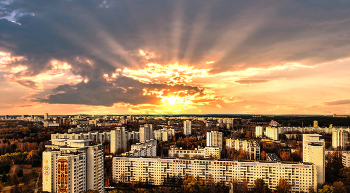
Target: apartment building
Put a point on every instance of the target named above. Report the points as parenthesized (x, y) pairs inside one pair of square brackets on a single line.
[(146, 132), (118, 139), (340, 138), (214, 139), (187, 127), (72, 165), (346, 159), (251, 147), (96, 136), (314, 152), (259, 131), (206, 152), (161, 135), (302, 176), (272, 133)]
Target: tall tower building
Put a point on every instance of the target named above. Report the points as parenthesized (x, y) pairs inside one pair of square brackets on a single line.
[(214, 139), (315, 123), (339, 138), (72, 166), (187, 127), (118, 140), (258, 131), (146, 133), (272, 133), (313, 152), (46, 116)]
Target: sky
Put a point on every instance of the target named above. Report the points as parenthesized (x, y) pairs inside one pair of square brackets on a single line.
[(174, 57)]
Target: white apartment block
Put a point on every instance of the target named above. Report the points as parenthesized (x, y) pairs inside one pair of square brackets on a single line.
[(118, 140), (72, 165), (145, 151), (133, 135), (314, 152), (151, 142), (272, 133), (302, 176), (259, 131), (161, 135), (146, 132), (346, 159), (187, 127), (96, 137), (340, 138), (214, 139), (251, 147), (206, 152)]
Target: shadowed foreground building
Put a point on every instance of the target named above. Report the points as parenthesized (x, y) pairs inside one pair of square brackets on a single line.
[(72, 165), (302, 176)]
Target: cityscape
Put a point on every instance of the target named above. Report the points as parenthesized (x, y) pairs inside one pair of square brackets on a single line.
[(174, 96)]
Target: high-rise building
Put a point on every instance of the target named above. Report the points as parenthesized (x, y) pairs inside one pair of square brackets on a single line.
[(313, 152), (214, 139), (346, 159), (72, 166), (315, 123), (146, 133), (118, 140), (187, 127), (340, 138), (46, 116), (258, 131)]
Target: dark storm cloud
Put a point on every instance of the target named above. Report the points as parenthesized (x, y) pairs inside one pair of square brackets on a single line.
[(123, 89), (235, 34), (338, 102)]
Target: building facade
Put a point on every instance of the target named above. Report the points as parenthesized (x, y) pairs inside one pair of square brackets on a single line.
[(187, 127), (259, 131), (118, 140), (214, 139), (207, 152), (272, 133), (72, 165), (146, 132), (302, 176), (314, 152), (251, 147), (340, 138)]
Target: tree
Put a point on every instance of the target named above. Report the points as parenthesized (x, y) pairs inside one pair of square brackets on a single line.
[(260, 186), (338, 187), (4, 177), (285, 156), (14, 179), (263, 155), (345, 175), (326, 189), (283, 186)]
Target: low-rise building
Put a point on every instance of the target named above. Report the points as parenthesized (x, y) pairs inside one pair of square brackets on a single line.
[(302, 176)]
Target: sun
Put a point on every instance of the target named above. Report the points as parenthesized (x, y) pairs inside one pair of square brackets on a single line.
[(172, 100)]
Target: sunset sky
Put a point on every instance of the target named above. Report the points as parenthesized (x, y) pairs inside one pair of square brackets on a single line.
[(174, 57)]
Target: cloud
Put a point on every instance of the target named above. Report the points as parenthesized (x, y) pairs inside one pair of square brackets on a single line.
[(247, 81), (338, 102), (121, 90)]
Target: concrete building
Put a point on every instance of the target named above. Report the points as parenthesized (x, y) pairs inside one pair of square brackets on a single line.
[(118, 140), (314, 152), (96, 137), (187, 127), (206, 152), (346, 159), (272, 133), (145, 149), (340, 138), (315, 123), (251, 147), (161, 135), (72, 165), (259, 131), (146, 132), (46, 116), (302, 176), (214, 139)]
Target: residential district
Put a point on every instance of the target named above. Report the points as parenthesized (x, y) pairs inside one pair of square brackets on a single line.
[(86, 153)]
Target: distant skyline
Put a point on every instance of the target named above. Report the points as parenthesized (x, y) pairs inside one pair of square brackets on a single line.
[(174, 57)]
